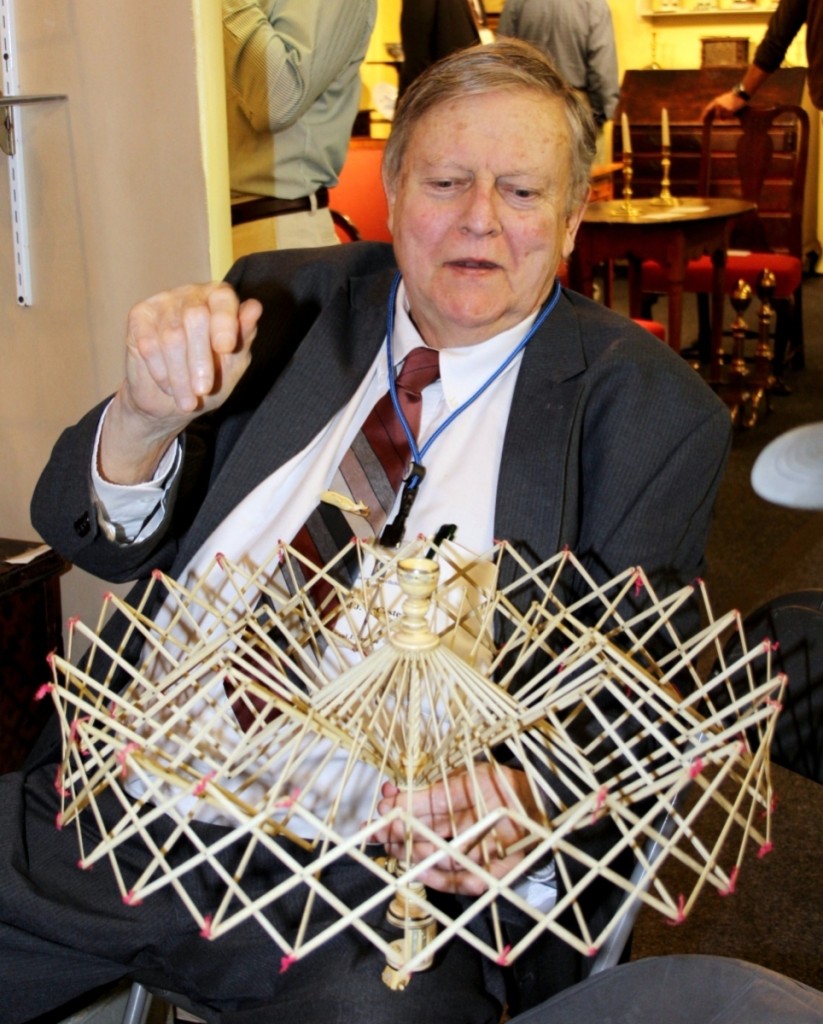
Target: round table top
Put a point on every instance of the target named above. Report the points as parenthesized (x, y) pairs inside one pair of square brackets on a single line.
[(648, 211)]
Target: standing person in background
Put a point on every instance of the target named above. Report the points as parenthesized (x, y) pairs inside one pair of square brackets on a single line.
[(292, 94), (578, 35), (431, 29), (783, 26)]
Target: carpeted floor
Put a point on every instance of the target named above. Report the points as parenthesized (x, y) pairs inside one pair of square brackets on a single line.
[(759, 551)]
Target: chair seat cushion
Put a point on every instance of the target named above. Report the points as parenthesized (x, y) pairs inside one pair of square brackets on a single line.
[(788, 272), (657, 329)]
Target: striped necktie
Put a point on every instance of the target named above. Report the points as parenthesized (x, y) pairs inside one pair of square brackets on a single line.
[(369, 476), (371, 471)]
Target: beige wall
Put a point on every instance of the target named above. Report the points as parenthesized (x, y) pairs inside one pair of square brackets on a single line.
[(117, 209), (674, 42)]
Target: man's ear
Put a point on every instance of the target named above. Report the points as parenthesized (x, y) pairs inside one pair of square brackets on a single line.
[(573, 221), (391, 195)]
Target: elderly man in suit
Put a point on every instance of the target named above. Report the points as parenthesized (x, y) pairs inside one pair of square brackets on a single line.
[(552, 422)]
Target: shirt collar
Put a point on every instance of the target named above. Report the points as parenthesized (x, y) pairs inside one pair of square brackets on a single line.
[(462, 370)]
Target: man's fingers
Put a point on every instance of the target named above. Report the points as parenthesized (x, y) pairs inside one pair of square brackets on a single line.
[(249, 315), (448, 874), (226, 318), (191, 342), (464, 883), (196, 374), (158, 345)]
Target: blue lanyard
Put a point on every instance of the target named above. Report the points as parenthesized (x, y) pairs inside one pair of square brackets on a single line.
[(393, 532), (418, 453)]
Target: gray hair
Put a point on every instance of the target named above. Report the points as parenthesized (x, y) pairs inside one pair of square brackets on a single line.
[(506, 64)]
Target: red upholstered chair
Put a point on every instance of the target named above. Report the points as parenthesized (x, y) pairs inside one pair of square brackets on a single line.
[(357, 202), (657, 329), (344, 227), (763, 146)]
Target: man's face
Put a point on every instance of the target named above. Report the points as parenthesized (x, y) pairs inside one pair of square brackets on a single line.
[(479, 213)]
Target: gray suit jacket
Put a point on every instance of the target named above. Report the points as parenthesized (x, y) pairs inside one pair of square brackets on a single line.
[(614, 447)]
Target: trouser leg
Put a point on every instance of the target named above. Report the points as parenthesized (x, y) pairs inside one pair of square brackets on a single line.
[(65, 931), (41, 966)]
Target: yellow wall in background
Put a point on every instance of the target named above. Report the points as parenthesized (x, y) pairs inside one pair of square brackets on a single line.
[(672, 42)]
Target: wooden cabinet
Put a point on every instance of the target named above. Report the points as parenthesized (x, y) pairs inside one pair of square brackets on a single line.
[(30, 628), (684, 93)]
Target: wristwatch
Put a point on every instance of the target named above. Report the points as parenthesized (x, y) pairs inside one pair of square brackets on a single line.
[(738, 90)]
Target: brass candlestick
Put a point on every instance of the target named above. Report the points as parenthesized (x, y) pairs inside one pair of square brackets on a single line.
[(627, 208), (665, 198)]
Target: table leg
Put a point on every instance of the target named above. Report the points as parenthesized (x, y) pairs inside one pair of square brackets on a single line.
[(635, 272), (676, 276), (608, 283), (581, 271)]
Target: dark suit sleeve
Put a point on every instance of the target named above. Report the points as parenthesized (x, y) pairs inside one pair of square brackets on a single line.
[(294, 286), (65, 511), (416, 30), (784, 25)]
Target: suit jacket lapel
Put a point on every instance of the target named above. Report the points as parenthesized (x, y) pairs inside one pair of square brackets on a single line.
[(343, 343), (542, 424)]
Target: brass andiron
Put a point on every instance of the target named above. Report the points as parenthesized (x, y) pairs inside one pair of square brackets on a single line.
[(763, 379), (738, 395)]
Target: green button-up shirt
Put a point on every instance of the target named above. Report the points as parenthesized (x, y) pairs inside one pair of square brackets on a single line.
[(293, 90)]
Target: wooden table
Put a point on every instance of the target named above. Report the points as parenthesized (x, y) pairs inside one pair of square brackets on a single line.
[(671, 235), (602, 181), (684, 92)]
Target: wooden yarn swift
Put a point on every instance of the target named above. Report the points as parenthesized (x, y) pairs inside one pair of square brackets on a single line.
[(434, 662)]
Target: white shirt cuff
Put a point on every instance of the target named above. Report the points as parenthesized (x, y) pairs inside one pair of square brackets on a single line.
[(133, 512)]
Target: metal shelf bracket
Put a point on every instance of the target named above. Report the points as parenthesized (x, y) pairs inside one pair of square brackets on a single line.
[(10, 145)]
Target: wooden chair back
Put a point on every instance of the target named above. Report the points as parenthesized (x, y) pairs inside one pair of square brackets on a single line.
[(761, 155)]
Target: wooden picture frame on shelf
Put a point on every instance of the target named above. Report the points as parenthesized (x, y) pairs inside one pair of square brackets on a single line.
[(724, 51)]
